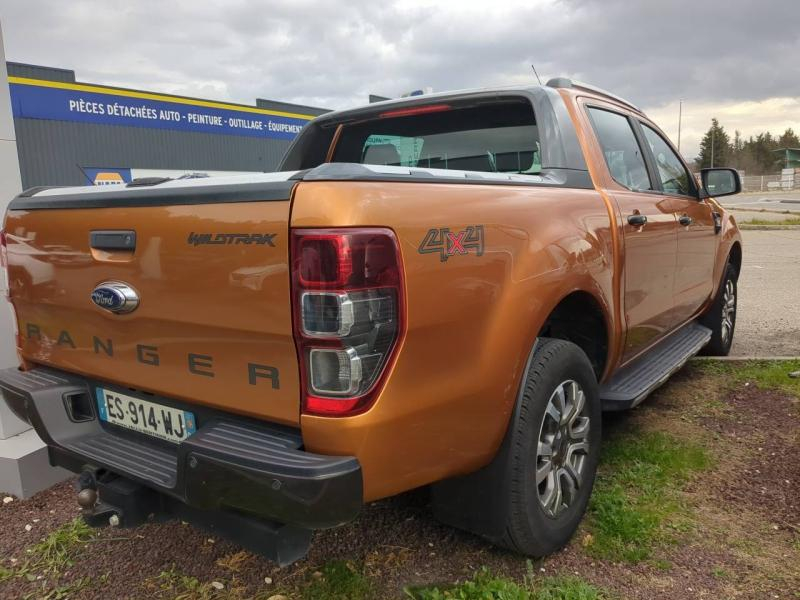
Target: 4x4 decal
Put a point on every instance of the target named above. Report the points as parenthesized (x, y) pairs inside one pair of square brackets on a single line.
[(446, 243)]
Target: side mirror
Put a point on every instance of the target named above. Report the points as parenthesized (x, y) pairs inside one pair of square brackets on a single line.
[(720, 182)]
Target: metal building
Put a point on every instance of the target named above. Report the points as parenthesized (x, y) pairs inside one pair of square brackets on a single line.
[(77, 133)]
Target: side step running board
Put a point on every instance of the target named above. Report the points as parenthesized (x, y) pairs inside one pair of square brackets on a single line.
[(633, 383)]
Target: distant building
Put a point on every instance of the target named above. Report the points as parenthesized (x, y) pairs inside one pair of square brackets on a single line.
[(76, 133), (790, 157)]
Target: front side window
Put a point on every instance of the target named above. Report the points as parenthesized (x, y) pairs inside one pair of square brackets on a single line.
[(620, 149), (498, 137), (674, 176)]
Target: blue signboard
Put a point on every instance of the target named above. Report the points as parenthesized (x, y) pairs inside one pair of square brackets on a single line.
[(39, 99)]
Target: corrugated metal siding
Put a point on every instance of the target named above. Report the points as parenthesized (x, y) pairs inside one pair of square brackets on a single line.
[(51, 152), (289, 107), (38, 72)]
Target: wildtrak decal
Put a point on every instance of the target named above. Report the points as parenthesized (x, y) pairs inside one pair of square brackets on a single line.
[(259, 239), (446, 243), (196, 363)]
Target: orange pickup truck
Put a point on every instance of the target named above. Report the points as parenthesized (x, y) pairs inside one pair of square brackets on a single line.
[(441, 291)]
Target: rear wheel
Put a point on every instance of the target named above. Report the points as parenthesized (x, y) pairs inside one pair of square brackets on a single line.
[(721, 317), (554, 450)]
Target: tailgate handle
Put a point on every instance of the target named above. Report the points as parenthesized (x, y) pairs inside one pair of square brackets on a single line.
[(117, 239)]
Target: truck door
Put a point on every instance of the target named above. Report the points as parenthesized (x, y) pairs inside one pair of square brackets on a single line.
[(649, 232), (694, 272)]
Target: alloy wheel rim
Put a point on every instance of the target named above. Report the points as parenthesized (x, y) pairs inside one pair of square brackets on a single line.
[(728, 310), (563, 448)]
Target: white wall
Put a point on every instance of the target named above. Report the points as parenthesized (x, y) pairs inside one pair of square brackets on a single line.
[(24, 465), (10, 186)]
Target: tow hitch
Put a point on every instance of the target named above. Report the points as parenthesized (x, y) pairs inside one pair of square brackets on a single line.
[(107, 499)]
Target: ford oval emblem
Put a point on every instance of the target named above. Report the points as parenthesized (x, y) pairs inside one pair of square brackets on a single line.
[(115, 296)]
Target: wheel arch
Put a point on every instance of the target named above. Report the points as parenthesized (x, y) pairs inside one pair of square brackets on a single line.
[(735, 257), (579, 317)]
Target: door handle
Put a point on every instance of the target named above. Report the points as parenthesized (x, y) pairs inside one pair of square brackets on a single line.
[(685, 220), (637, 220), (114, 239), (717, 221)]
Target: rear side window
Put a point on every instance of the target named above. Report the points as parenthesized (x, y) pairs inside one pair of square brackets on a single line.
[(620, 148), (499, 137)]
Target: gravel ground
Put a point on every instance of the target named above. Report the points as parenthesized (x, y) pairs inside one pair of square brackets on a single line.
[(745, 544), (768, 319)]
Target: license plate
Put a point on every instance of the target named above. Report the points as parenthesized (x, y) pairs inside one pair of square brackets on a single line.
[(144, 416)]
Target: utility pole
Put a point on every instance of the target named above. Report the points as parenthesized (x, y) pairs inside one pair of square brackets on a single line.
[(680, 114)]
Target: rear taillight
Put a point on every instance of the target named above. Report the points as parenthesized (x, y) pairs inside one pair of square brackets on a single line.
[(347, 292)]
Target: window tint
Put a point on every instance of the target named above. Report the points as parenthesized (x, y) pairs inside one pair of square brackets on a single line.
[(497, 137), (674, 176), (620, 148)]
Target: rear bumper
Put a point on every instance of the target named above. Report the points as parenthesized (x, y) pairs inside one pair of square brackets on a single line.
[(228, 464)]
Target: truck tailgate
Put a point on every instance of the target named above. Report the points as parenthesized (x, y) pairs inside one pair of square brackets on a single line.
[(213, 324)]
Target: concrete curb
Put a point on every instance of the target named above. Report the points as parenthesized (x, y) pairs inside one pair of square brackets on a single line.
[(744, 358), (746, 227), (736, 208)]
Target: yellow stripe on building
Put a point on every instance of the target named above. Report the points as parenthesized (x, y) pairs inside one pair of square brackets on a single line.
[(80, 87)]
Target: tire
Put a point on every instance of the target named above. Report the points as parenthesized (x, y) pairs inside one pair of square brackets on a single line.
[(536, 526), (721, 316)]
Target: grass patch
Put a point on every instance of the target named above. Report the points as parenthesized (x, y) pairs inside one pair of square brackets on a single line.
[(182, 587), (175, 585), (485, 586), (339, 580), (61, 592), (567, 588), (636, 495), (55, 553), (48, 561), (766, 374), (720, 573), (788, 221)]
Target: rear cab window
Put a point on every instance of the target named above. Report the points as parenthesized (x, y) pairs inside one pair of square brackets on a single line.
[(497, 136)]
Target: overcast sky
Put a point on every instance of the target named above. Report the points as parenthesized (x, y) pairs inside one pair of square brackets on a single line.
[(738, 60)]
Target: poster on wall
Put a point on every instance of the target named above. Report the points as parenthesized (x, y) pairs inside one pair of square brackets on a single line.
[(106, 175)]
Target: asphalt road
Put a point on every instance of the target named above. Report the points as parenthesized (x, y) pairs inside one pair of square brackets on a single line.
[(777, 201), (768, 319)]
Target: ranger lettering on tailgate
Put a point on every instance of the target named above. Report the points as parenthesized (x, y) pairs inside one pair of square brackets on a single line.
[(197, 364)]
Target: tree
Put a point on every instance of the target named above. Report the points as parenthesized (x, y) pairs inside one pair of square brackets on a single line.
[(760, 150), (755, 156), (789, 139), (717, 139)]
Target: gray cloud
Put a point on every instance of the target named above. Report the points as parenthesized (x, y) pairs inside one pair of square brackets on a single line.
[(334, 54)]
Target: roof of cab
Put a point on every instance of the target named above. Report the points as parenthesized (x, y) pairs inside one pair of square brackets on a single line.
[(556, 82)]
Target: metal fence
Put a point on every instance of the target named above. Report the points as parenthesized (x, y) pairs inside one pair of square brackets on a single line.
[(788, 179), (760, 183)]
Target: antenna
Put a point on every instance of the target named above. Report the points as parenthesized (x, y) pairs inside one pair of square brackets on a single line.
[(537, 75)]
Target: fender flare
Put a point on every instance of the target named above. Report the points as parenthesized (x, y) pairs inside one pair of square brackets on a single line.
[(474, 502)]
